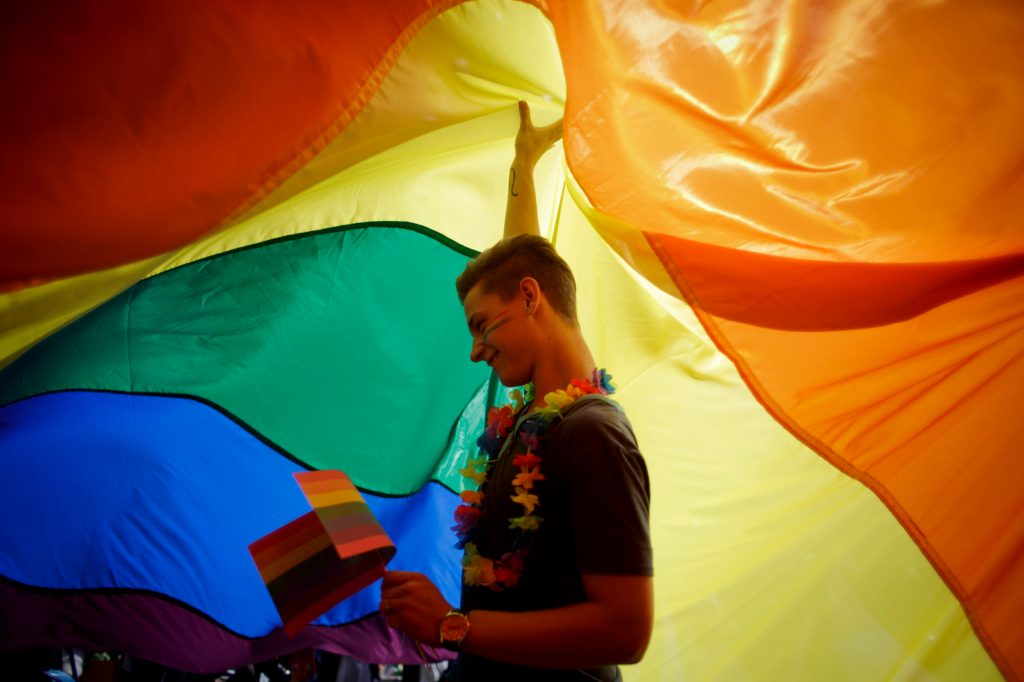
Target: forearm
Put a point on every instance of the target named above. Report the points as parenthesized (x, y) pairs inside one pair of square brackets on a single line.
[(583, 635), (521, 203), (612, 626)]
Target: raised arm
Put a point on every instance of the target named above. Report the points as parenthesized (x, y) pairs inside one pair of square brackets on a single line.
[(531, 143)]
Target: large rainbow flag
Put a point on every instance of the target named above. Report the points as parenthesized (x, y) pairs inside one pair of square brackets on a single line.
[(229, 236)]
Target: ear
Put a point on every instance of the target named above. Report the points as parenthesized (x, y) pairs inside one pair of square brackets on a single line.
[(530, 290)]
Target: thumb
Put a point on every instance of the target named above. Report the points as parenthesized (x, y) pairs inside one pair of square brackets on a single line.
[(524, 114), (395, 578)]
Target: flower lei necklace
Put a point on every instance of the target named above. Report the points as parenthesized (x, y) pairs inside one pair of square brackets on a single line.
[(499, 574)]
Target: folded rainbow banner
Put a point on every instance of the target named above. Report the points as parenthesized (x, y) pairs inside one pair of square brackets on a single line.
[(325, 555)]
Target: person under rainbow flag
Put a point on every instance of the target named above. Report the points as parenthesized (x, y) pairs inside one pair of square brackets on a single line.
[(557, 571)]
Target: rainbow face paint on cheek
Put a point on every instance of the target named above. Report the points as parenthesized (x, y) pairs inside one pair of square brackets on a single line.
[(502, 318), (492, 329)]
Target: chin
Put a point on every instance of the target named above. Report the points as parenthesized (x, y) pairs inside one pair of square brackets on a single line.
[(511, 380)]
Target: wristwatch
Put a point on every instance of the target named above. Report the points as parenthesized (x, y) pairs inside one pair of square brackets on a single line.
[(453, 628)]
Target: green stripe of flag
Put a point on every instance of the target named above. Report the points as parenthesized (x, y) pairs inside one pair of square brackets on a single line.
[(347, 348)]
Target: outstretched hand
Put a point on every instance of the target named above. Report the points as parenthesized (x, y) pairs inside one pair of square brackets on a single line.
[(532, 142), (414, 605)]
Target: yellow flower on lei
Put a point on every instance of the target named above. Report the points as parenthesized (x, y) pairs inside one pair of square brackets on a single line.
[(478, 476), (479, 570), (556, 400), (526, 499)]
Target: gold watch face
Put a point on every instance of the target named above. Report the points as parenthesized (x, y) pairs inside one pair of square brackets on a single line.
[(454, 627)]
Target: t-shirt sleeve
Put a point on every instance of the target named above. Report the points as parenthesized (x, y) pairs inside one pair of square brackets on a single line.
[(609, 492)]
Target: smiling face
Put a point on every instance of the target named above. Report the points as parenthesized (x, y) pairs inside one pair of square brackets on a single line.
[(502, 334)]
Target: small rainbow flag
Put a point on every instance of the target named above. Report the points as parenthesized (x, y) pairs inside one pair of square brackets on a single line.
[(325, 555)]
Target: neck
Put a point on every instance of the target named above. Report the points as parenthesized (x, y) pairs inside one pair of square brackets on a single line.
[(569, 358)]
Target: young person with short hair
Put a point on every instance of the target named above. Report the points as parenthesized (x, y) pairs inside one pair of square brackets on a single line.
[(557, 580)]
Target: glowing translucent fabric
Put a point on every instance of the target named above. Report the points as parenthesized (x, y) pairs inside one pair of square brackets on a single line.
[(267, 204), (837, 189)]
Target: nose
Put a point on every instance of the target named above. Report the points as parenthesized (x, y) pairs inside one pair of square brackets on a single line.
[(476, 353)]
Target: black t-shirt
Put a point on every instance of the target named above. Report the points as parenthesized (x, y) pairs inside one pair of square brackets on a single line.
[(594, 502)]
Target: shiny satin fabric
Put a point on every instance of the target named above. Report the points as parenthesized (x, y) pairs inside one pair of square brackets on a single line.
[(836, 188)]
